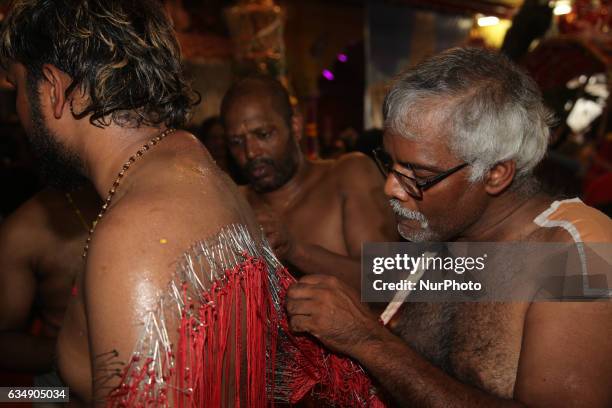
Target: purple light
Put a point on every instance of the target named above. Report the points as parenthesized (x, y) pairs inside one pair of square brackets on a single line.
[(328, 74), (342, 57)]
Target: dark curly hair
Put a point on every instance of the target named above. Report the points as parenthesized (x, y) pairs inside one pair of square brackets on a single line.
[(122, 54)]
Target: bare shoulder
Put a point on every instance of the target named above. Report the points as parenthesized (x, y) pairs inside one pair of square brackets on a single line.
[(31, 222), (147, 230), (146, 234), (354, 161), (571, 220), (356, 170), (244, 190)]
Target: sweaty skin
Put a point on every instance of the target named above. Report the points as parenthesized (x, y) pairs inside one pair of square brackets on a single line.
[(133, 251), (40, 255), (172, 197), (469, 355), (318, 219)]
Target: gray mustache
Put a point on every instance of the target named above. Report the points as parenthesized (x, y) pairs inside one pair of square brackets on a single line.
[(408, 214)]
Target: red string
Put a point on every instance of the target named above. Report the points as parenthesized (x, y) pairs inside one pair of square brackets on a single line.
[(205, 350)]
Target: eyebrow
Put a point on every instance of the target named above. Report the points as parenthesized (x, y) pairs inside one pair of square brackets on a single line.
[(417, 166), (258, 128)]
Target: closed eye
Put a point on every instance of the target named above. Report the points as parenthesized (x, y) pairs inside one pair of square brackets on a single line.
[(423, 179)]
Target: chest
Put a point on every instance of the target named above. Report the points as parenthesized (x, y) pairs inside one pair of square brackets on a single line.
[(61, 261), (476, 343), (315, 217)]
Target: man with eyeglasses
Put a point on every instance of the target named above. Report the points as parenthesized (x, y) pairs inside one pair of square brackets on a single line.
[(463, 133)]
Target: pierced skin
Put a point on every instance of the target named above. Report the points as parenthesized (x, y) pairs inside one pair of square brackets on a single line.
[(128, 267)]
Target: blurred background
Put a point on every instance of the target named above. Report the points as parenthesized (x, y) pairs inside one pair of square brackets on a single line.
[(337, 57)]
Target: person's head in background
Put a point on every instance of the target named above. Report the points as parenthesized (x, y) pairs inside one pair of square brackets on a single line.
[(262, 132), (210, 134)]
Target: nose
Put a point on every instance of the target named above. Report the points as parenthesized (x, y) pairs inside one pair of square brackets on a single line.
[(392, 187), (252, 149)]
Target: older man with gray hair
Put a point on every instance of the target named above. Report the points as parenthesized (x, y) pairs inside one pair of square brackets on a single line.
[(463, 133)]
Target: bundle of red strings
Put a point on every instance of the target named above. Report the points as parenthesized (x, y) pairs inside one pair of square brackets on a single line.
[(207, 368)]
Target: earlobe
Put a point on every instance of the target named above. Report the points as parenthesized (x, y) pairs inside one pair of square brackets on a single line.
[(500, 177)]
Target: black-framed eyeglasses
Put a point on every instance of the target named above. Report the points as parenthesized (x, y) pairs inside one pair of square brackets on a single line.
[(412, 186)]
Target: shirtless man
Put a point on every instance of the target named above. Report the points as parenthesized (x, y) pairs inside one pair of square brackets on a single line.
[(316, 214), (40, 255), (100, 88), (471, 106)]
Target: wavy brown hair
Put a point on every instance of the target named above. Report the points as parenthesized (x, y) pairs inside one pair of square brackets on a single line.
[(122, 54)]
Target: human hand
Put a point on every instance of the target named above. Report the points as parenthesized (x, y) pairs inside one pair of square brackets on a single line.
[(277, 233), (332, 312)]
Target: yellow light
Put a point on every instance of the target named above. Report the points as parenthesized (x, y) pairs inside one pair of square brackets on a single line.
[(488, 21), (562, 7)]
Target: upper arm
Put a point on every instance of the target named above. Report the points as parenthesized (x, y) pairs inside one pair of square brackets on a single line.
[(131, 262), (566, 355), (367, 217), (127, 270), (17, 279)]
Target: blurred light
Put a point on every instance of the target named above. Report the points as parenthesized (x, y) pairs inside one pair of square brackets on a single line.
[(488, 21), (328, 74), (342, 57), (562, 7)]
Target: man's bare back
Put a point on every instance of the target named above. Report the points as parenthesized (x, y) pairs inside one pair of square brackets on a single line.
[(111, 117), (40, 256), (173, 198)]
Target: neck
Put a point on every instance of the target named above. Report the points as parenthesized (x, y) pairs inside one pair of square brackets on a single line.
[(507, 217), (284, 196), (106, 150)]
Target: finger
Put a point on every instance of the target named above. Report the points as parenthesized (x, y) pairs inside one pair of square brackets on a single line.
[(303, 307), (301, 290), (264, 215), (319, 280), (270, 234), (268, 230), (300, 324), (264, 222)]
